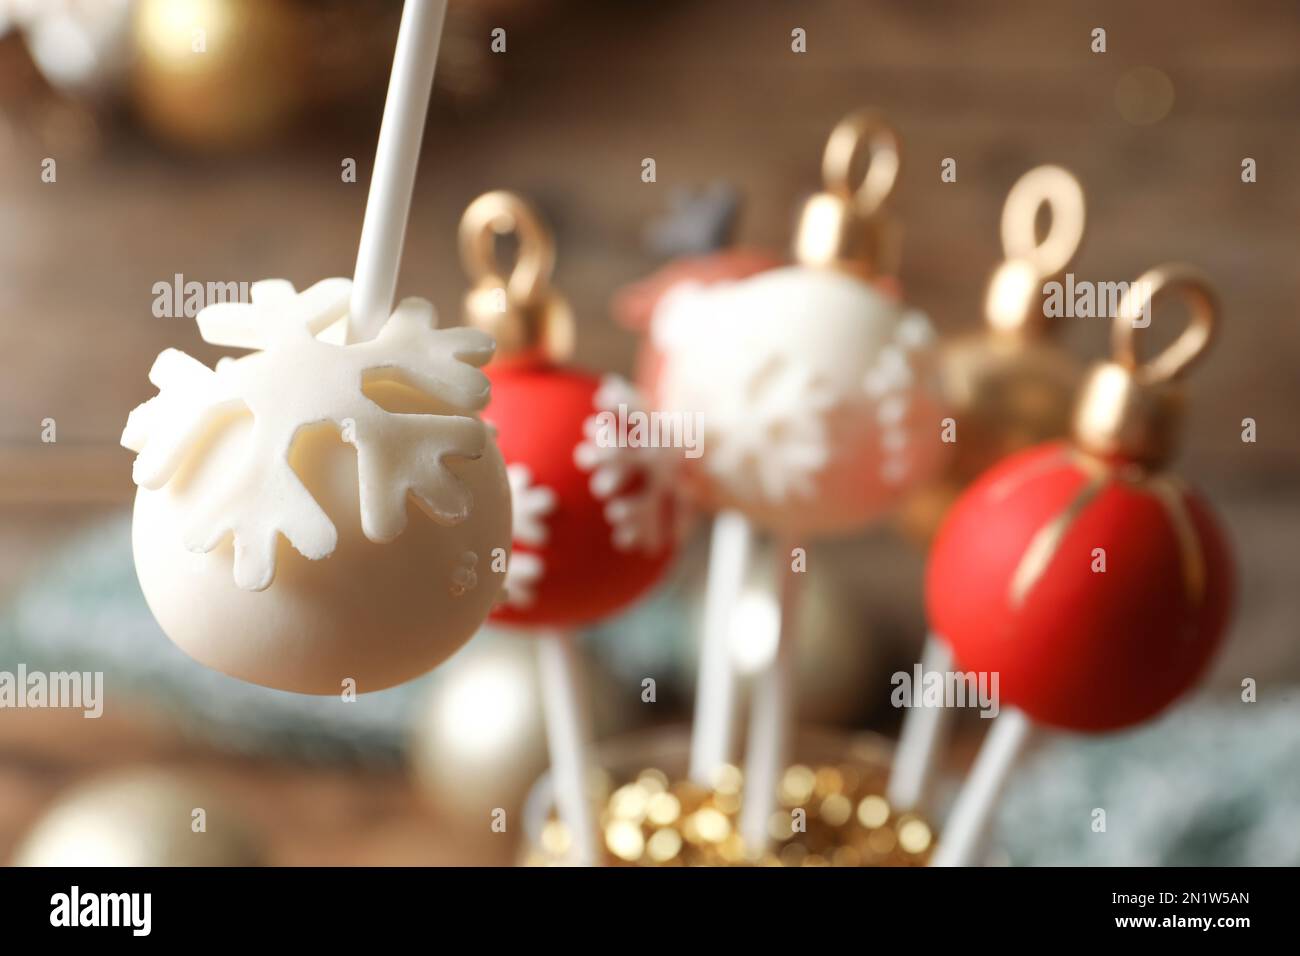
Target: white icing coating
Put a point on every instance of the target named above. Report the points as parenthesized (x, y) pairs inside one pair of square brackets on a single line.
[(633, 480), (246, 485), (816, 390)]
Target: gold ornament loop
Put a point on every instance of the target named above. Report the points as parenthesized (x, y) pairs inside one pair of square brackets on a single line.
[(501, 213), (1130, 409), (1012, 304), (517, 307), (1056, 188), (865, 129), (1135, 312)]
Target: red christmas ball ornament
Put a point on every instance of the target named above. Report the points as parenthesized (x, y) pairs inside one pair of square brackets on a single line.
[(592, 508), (592, 520), (1093, 583)]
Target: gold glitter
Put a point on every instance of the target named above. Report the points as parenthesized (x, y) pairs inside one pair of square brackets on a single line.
[(555, 839), (689, 794), (846, 856), (658, 821), (664, 845), (713, 826), (913, 835), (796, 785), (728, 803), (691, 829), (624, 840), (780, 825), (663, 809), (881, 841), (836, 810), (628, 802), (653, 781), (873, 812), (829, 780), (792, 854), (732, 849), (728, 779)]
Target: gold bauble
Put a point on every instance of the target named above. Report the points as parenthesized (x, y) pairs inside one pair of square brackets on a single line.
[(138, 818), (1006, 393), (479, 738), (1011, 385), (214, 73)]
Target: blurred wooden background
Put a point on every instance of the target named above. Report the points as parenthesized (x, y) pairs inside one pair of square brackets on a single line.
[(713, 91)]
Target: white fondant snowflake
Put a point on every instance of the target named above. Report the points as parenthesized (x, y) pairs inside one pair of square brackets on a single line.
[(767, 412), (523, 574), (634, 480), (777, 439), (531, 506), (295, 379), (890, 382)]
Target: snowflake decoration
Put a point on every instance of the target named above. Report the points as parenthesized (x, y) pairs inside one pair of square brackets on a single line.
[(294, 379), (634, 481), (767, 418), (776, 442), (889, 383), (523, 574), (531, 506)]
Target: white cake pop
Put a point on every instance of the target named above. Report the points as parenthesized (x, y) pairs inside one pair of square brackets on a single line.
[(817, 390), (274, 533)]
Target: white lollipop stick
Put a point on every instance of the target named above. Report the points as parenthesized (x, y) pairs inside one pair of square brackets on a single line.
[(925, 731), (964, 834), (771, 718), (383, 230), (713, 737), (568, 737)]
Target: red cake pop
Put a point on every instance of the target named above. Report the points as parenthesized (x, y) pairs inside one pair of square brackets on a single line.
[(1096, 585), (592, 515), (591, 522), (590, 493)]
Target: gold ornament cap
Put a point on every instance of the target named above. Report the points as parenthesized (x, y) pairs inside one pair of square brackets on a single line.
[(843, 226), (1013, 305), (516, 306), (1131, 409)]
